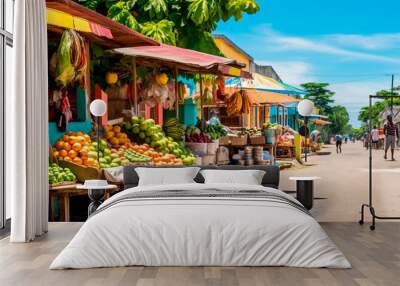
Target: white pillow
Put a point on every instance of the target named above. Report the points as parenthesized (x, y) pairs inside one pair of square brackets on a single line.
[(248, 177), (166, 176)]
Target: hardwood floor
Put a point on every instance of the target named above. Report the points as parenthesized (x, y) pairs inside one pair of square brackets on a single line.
[(375, 257)]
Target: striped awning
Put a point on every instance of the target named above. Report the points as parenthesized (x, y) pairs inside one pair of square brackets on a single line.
[(263, 83)]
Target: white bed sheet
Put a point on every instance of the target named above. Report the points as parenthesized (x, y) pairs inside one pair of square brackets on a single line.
[(200, 232)]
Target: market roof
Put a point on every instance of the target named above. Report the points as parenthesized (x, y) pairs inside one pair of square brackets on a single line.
[(91, 25), (267, 97), (321, 122), (184, 59), (265, 83)]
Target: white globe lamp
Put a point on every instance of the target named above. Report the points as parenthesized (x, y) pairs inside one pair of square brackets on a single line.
[(98, 108), (305, 107)]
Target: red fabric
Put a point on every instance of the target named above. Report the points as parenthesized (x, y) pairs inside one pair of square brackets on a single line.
[(100, 94), (99, 30)]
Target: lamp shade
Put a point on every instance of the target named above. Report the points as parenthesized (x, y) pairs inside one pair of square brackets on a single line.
[(98, 107), (305, 107)]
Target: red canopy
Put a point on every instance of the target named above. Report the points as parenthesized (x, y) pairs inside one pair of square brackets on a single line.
[(184, 59)]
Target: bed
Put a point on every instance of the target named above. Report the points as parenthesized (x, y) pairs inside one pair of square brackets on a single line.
[(198, 224)]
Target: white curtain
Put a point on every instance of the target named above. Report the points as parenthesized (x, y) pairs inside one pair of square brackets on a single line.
[(27, 124)]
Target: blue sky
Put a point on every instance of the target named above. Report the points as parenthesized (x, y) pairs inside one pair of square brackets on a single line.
[(354, 45)]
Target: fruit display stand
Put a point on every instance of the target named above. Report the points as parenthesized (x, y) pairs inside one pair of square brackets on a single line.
[(62, 194)]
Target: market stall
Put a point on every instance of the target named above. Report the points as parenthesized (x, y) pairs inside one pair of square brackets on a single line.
[(139, 81)]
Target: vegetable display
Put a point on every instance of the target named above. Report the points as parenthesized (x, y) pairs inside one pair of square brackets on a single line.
[(174, 129), (195, 135), (115, 136), (152, 134), (75, 147), (71, 59), (135, 157), (58, 174), (215, 131), (158, 89)]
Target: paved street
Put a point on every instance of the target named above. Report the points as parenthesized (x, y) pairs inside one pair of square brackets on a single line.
[(344, 182)]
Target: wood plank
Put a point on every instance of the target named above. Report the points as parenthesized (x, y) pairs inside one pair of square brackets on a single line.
[(375, 257)]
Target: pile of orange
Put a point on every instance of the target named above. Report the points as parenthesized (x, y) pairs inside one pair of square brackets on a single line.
[(115, 137), (74, 147)]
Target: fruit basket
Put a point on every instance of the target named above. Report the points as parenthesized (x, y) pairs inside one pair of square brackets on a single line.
[(82, 172)]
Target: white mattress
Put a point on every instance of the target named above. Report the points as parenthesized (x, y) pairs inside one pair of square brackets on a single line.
[(200, 232)]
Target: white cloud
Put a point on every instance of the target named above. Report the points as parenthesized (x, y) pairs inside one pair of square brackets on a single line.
[(292, 72), (369, 42), (321, 44), (354, 95)]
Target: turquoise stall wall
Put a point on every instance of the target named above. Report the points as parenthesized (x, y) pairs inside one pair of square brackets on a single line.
[(55, 134), (84, 124), (187, 113), (291, 112)]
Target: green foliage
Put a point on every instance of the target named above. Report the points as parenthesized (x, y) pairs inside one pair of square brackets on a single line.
[(162, 31), (186, 23), (91, 4), (201, 11), (339, 118), (377, 107), (156, 8), (358, 133), (202, 42), (120, 13), (102, 62), (320, 95), (237, 7)]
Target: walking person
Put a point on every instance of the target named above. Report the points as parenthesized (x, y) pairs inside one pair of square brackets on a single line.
[(391, 135), (338, 139), (375, 137)]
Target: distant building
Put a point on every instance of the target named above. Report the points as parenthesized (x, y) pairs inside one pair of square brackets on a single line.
[(285, 113), (231, 50), (267, 71)]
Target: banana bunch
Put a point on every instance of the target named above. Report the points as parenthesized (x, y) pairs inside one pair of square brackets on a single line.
[(234, 103), (246, 103), (174, 129)]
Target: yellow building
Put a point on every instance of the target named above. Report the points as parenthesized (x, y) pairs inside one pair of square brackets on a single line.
[(231, 50)]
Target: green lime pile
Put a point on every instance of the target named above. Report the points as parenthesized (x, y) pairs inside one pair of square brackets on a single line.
[(152, 134), (107, 158), (135, 157), (58, 174)]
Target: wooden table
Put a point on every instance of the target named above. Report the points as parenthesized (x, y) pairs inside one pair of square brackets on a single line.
[(288, 151), (64, 193)]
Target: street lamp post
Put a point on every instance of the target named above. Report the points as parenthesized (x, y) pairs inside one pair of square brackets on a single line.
[(305, 108), (98, 108)]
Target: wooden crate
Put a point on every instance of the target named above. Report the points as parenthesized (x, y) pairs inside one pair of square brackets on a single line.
[(257, 140), (224, 140), (238, 140)]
